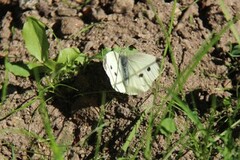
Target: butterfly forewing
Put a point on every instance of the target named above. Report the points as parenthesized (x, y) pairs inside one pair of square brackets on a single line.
[(143, 70)]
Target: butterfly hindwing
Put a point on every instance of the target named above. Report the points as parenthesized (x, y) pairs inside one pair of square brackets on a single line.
[(112, 67)]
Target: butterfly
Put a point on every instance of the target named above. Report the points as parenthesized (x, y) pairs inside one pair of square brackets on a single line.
[(131, 73)]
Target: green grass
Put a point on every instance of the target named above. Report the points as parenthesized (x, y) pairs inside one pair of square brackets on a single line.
[(204, 137), (201, 139)]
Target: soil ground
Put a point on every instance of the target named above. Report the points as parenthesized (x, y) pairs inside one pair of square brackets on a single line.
[(113, 23)]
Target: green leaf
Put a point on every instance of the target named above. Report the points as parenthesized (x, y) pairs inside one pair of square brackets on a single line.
[(17, 70), (70, 55), (39, 66), (81, 59), (32, 65), (167, 126), (52, 65), (36, 39), (47, 65), (235, 51)]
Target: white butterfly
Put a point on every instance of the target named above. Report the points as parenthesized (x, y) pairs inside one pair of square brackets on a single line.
[(131, 74)]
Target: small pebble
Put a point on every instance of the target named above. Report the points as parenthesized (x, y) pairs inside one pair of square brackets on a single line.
[(71, 25), (123, 6)]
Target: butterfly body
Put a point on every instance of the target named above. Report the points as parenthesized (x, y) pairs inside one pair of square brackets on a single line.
[(131, 74), (124, 63)]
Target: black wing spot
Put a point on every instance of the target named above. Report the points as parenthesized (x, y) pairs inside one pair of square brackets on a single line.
[(110, 66), (140, 75), (115, 73), (148, 69)]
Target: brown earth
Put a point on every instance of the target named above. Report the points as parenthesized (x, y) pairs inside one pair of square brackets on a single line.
[(115, 23)]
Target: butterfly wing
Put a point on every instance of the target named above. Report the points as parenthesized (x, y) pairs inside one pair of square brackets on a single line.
[(143, 70), (113, 68)]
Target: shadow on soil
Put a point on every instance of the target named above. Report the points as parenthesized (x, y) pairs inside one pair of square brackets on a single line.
[(201, 102)]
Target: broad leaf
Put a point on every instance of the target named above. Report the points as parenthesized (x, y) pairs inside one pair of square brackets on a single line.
[(17, 69), (235, 51), (36, 39), (69, 55), (167, 126)]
